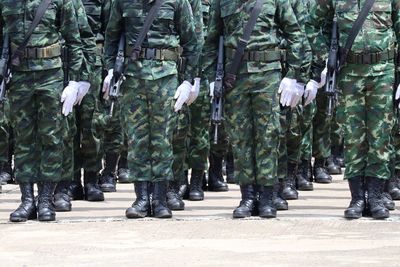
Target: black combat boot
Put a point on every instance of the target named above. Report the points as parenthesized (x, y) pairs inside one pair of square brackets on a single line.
[(92, 188), (174, 200), (289, 191), (278, 202), (392, 188), (27, 209), (62, 201), (108, 178), (230, 168), (357, 203), (159, 203), (141, 207), (196, 192), (304, 176), (5, 173), (332, 167), (338, 155), (321, 174), (123, 171), (266, 207), (75, 188), (375, 188), (45, 207), (388, 201), (215, 179), (184, 187), (247, 204)]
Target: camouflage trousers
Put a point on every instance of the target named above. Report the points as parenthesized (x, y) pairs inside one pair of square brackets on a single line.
[(368, 122), (180, 143), (395, 155), (199, 145), (252, 116), (149, 118), (38, 125), (321, 128), (223, 145), (306, 125), (112, 130), (68, 164), (5, 130)]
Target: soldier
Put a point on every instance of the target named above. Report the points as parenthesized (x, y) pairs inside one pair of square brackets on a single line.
[(35, 91), (148, 91), (251, 105), (62, 200), (366, 80)]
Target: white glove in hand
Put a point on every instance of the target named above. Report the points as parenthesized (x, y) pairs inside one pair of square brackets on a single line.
[(311, 92), (212, 85), (323, 77), (194, 92), (288, 91), (82, 91), (182, 95), (68, 97), (299, 94), (398, 93), (106, 84)]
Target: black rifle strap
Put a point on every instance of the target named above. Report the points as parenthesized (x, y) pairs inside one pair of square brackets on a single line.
[(355, 30), (16, 56), (145, 29), (230, 76)]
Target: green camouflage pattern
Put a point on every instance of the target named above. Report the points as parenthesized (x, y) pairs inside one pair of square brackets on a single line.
[(4, 131), (38, 125), (321, 142), (180, 143), (173, 28), (60, 18), (367, 89), (306, 126), (149, 122), (68, 163)]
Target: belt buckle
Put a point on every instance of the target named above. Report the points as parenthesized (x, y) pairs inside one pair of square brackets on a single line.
[(150, 53), (366, 58)]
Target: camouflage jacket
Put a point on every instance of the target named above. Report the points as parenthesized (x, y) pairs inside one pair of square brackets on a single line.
[(229, 17), (378, 32), (173, 28), (98, 14), (198, 23), (60, 18), (88, 42), (206, 9)]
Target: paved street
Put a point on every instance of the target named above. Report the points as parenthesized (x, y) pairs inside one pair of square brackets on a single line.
[(311, 233)]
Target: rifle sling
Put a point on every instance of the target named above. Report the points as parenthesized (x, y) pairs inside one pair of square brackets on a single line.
[(19, 52), (355, 29), (145, 29), (230, 76)]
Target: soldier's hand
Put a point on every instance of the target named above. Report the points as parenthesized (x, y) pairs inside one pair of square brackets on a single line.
[(83, 89), (194, 92), (182, 95), (298, 94), (311, 92), (287, 89), (68, 97), (106, 84)]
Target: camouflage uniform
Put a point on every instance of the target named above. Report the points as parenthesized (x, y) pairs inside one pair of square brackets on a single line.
[(251, 108), (36, 85), (148, 91)]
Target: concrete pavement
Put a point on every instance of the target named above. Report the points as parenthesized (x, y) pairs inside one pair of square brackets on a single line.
[(311, 233)]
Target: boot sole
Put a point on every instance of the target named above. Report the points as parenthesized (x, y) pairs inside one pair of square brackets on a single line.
[(136, 216), (163, 216), (305, 188), (20, 219), (269, 216), (46, 218), (352, 216), (241, 216), (63, 208), (322, 181), (282, 207), (108, 189), (94, 199)]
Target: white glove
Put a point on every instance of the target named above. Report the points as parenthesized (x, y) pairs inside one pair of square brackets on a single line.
[(182, 95), (106, 83), (311, 92), (288, 91), (212, 85), (323, 78), (82, 91), (68, 97), (194, 92), (299, 94), (398, 93)]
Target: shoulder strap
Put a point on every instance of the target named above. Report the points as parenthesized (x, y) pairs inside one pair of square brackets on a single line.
[(145, 29), (230, 76), (355, 30), (19, 53)]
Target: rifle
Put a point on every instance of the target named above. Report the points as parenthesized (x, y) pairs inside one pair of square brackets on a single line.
[(65, 60), (118, 75), (5, 71), (217, 100), (332, 69)]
